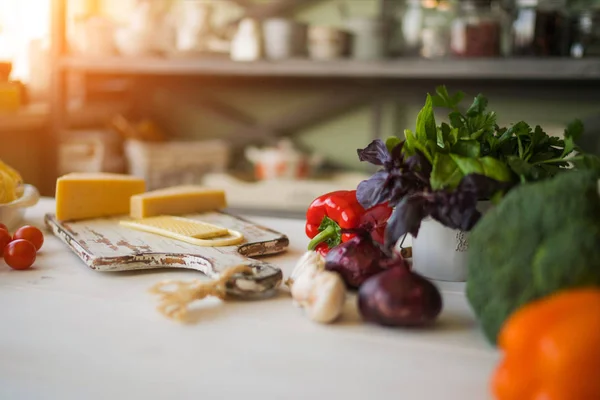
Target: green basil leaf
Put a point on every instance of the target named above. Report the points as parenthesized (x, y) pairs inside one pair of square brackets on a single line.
[(467, 148), (487, 166), (453, 136), (445, 173), (413, 144), (409, 142), (392, 142), (432, 146), (426, 128), (443, 134)]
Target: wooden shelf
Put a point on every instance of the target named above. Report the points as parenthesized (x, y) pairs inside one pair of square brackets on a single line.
[(506, 69)]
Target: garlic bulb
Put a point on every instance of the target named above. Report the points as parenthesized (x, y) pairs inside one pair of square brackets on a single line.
[(310, 262), (326, 298)]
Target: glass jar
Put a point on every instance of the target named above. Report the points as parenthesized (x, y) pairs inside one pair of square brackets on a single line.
[(412, 23), (586, 40), (541, 28), (476, 31), (435, 32)]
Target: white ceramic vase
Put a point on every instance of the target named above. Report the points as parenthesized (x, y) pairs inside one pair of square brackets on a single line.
[(440, 253)]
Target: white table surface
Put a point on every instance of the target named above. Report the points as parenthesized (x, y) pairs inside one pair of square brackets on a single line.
[(68, 332)]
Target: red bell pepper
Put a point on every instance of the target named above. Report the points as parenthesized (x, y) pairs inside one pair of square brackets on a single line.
[(332, 213)]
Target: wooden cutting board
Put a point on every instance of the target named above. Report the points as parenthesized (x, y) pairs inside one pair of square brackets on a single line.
[(104, 245)]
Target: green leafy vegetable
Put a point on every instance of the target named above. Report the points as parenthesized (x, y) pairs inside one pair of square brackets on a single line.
[(445, 172), (426, 130)]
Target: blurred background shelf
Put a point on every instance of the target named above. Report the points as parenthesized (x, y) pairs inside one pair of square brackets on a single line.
[(510, 68)]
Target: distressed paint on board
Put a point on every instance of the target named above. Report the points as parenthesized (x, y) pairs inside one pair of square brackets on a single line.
[(104, 245)]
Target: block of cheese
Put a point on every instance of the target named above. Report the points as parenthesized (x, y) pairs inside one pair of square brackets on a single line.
[(177, 200), (95, 195)]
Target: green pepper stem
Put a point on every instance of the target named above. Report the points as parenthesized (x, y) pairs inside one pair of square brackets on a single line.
[(325, 234)]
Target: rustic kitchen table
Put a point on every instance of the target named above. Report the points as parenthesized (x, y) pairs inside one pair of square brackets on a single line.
[(68, 332)]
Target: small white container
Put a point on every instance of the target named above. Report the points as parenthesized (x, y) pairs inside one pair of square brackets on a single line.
[(247, 42), (440, 253), (164, 164), (12, 214)]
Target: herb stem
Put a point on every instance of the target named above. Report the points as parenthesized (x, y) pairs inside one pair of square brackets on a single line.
[(321, 237), (553, 160)]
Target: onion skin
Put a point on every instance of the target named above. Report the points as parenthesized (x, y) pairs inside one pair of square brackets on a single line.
[(398, 297), (356, 260)]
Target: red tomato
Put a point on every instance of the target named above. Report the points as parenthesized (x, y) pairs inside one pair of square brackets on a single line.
[(4, 240), (20, 254), (31, 233), (2, 226)]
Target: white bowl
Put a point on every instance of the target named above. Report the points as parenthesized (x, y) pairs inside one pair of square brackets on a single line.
[(12, 214)]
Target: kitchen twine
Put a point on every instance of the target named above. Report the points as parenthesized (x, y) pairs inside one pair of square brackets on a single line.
[(174, 303)]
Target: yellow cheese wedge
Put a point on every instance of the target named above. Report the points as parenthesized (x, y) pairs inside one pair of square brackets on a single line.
[(95, 195), (177, 200), (187, 230)]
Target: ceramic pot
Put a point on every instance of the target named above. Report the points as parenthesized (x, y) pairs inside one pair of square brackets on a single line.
[(284, 38), (440, 253)]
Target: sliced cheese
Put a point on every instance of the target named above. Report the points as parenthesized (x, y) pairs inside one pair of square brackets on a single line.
[(95, 195), (187, 230), (177, 200)]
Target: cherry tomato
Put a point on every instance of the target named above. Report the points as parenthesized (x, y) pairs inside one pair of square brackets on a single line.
[(20, 254), (4, 240), (2, 226), (31, 233)]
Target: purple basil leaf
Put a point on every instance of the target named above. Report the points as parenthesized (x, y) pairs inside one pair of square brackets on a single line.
[(419, 163), (406, 218), (375, 153), (483, 187), (456, 209), (397, 156), (374, 191)]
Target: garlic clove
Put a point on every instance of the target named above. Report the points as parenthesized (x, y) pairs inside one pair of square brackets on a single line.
[(326, 298), (310, 262), (302, 286)]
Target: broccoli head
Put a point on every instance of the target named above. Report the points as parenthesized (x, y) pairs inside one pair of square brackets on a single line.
[(541, 238)]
